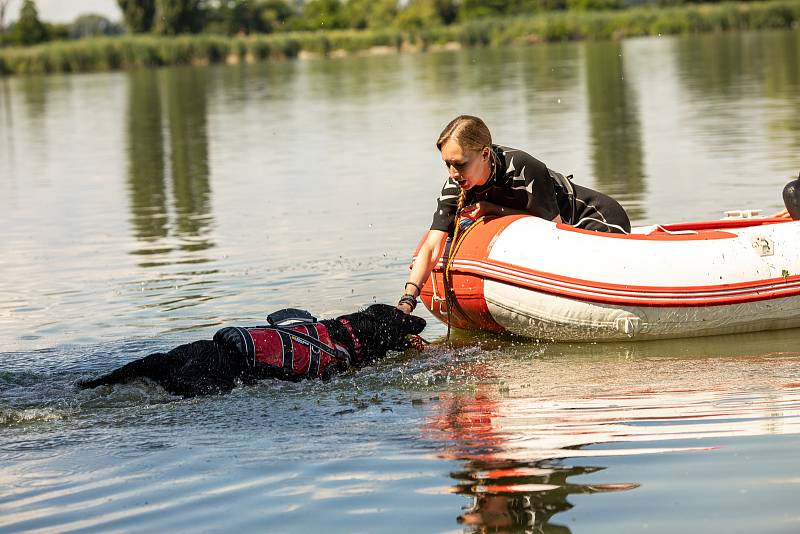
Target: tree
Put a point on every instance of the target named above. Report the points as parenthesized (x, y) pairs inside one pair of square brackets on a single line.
[(594, 5), (29, 29), (138, 14), (418, 14), (3, 6), (275, 14), (447, 10), (382, 14), (374, 14), (178, 16), (323, 15), (356, 13), (234, 16), (92, 24), (471, 9)]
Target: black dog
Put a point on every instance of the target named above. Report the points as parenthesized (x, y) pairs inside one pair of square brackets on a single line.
[(286, 348)]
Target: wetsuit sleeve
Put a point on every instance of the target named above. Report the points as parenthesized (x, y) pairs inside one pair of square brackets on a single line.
[(446, 207), (539, 187)]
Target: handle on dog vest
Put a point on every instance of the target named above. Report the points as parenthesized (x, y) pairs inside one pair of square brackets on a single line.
[(289, 315)]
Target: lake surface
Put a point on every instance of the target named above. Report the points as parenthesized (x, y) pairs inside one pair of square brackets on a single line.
[(141, 210)]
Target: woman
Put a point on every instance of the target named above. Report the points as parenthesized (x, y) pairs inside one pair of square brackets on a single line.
[(487, 179)]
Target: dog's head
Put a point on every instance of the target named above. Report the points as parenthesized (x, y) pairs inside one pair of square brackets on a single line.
[(381, 328)]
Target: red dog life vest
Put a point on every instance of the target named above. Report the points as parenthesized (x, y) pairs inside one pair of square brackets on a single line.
[(284, 348)]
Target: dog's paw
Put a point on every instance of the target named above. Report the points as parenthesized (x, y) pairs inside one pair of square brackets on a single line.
[(416, 342)]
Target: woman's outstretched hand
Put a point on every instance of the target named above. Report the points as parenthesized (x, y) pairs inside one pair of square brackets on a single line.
[(405, 308)]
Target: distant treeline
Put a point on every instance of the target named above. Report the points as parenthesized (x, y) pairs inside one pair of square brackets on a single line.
[(148, 49), (247, 17)]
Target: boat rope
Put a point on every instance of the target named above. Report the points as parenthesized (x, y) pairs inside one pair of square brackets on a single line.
[(459, 234)]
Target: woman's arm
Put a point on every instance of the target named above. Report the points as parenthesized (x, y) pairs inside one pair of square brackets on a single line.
[(429, 253)]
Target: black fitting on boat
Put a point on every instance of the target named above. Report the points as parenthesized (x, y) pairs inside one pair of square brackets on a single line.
[(791, 198)]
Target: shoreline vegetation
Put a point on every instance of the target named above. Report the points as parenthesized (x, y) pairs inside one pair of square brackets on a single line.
[(143, 51)]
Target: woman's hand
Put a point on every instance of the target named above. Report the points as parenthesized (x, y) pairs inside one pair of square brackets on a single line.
[(405, 308), (479, 209)]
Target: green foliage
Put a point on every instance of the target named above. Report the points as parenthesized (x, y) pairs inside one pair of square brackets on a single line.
[(274, 15), (418, 14), (447, 10), (148, 50), (356, 13), (243, 17), (594, 5), (56, 31), (233, 17), (473, 9), (375, 14), (138, 14), (92, 25), (323, 15), (382, 13), (29, 29), (421, 14), (173, 17)]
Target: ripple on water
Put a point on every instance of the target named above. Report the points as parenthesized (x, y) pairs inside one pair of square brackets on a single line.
[(517, 429)]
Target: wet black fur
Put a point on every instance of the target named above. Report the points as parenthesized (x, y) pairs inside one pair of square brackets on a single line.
[(204, 368), (791, 198)]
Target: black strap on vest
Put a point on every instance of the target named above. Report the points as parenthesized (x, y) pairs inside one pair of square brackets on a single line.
[(333, 351), (288, 315)]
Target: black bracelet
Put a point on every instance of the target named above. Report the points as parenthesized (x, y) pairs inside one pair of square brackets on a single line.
[(419, 289), (408, 299)]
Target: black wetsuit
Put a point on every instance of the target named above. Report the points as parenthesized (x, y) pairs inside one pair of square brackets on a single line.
[(522, 182)]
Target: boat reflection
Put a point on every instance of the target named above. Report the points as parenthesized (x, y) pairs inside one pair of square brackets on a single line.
[(512, 496), (509, 494), (525, 449)]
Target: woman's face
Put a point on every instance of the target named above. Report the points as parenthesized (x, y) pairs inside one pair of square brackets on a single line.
[(467, 167)]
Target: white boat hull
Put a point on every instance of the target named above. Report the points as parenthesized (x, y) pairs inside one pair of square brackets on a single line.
[(546, 281)]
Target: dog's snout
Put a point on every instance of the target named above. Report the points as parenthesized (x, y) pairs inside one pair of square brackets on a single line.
[(415, 324)]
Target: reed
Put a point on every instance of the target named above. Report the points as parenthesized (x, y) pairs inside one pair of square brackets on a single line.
[(142, 51)]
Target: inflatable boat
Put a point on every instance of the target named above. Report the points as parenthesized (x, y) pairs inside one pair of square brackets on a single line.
[(549, 281)]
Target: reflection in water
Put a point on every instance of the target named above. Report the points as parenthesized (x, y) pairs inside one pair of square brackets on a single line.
[(615, 127), (549, 80), (186, 94), (782, 83), (512, 496), (550, 68), (172, 104), (514, 443), (719, 65), (726, 74), (7, 121), (356, 79), (507, 494), (34, 92), (146, 157)]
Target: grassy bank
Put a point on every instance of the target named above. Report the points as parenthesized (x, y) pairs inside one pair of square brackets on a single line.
[(137, 51)]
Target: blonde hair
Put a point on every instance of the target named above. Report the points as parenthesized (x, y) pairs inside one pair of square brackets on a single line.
[(469, 132)]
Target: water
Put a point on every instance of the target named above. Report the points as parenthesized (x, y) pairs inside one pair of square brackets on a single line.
[(145, 209)]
